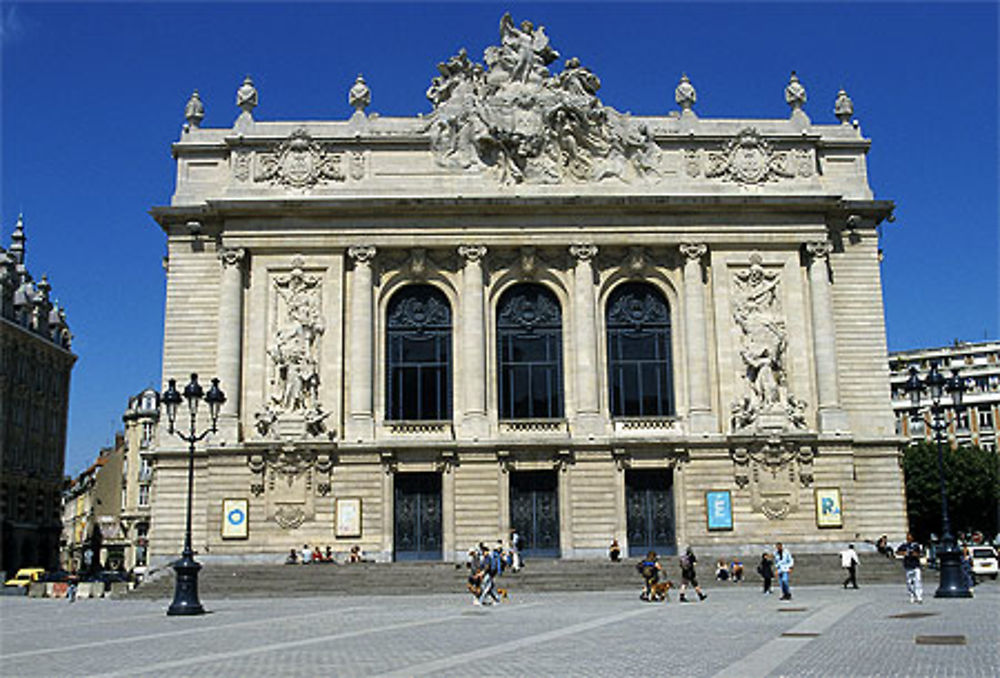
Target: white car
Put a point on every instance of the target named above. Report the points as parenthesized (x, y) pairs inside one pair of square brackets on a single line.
[(984, 562)]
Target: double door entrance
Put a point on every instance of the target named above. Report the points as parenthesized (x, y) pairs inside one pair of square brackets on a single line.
[(649, 508), (417, 521), (534, 511)]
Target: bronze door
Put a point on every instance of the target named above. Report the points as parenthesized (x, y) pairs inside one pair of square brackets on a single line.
[(417, 523), (534, 511), (649, 506)]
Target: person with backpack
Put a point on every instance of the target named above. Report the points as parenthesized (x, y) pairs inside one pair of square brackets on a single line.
[(766, 571), (490, 568), (688, 576), (650, 570)]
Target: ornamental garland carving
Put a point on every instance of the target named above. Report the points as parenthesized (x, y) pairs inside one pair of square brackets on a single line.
[(766, 402), (773, 469), (750, 159), (289, 478), (298, 162), (513, 118)]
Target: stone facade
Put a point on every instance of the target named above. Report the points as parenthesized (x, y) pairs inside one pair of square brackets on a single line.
[(523, 213), (35, 366)]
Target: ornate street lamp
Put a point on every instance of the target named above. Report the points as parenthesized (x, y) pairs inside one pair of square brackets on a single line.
[(952, 582), (186, 583)]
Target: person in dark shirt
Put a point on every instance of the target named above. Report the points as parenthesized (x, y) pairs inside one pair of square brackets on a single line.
[(911, 552)]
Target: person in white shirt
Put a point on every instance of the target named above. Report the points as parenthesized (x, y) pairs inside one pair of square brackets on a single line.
[(849, 561), (784, 563)]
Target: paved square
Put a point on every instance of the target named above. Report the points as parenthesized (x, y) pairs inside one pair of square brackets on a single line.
[(736, 632)]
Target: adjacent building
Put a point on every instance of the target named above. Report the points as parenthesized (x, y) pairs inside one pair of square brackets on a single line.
[(979, 365), (35, 365), (527, 310)]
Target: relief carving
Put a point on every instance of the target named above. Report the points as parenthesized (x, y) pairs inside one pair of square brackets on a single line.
[(766, 402), (299, 162), (749, 159), (289, 478), (515, 119), (773, 469), (294, 358)]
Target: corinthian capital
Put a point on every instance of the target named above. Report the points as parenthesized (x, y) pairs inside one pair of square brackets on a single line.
[(361, 254), (819, 250), (231, 256), (472, 253), (583, 252), (693, 251)]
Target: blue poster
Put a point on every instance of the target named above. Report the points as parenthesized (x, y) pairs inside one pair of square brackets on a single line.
[(720, 510)]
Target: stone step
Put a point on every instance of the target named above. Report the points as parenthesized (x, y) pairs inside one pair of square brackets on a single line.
[(225, 580)]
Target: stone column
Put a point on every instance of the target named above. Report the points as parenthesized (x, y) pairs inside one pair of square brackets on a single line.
[(585, 340), (472, 344), (831, 416), (229, 341), (700, 417), (360, 423)]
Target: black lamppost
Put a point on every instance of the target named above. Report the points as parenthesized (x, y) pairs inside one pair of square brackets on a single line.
[(952, 583), (186, 584)]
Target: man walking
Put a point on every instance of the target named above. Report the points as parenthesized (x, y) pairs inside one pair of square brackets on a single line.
[(849, 561), (688, 576), (911, 565), (784, 563)]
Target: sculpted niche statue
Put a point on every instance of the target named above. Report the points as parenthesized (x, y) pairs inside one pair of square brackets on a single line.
[(757, 313), (516, 119), (294, 351)]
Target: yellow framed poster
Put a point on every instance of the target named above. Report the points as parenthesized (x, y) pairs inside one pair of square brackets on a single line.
[(829, 512), (349, 517), (235, 518)]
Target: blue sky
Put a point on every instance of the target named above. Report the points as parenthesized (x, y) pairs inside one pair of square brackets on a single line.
[(93, 95)]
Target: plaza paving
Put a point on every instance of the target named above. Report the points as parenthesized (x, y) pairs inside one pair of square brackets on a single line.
[(737, 632)]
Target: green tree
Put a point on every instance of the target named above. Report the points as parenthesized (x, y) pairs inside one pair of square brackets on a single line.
[(973, 478)]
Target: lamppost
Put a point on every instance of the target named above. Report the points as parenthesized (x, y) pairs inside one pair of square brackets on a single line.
[(952, 582), (186, 583)]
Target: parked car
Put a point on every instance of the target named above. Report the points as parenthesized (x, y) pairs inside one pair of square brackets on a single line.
[(984, 562), (25, 576), (56, 576)]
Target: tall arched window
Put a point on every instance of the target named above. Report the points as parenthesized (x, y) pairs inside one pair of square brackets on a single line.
[(529, 353), (639, 368), (418, 355)]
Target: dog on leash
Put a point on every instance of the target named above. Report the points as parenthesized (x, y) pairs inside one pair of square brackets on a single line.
[(659, 591)]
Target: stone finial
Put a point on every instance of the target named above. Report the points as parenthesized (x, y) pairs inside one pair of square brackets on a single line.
[(17, 239), (685, 95), (246, 97), (359, 96), (795, 93), (843, 108), (45, 287), (194, 111)]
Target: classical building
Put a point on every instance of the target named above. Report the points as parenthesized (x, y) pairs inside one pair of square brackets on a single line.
[(979, 364), (35, 366), (141, 419), (527, 309)]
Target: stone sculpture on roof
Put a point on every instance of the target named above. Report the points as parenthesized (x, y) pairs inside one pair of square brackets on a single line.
[(513, 117)]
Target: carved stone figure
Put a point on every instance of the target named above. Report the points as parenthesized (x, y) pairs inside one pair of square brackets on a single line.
[(294, 352), (757, 313), (517, 120)]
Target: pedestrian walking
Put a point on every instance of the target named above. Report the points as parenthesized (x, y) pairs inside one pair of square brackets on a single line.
[(515, 549), (849, 561), (784, 563), (688, 576), (73, 584), (650, 570), (766, 571), (912, 551)]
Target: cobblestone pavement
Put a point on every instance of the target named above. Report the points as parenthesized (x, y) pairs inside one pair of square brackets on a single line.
[(737, 632)]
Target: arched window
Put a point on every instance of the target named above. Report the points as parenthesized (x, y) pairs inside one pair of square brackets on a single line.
[(529, 353), (639, 369), (418, 355)]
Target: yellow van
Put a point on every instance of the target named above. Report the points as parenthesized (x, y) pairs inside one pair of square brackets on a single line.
[(25, 576)]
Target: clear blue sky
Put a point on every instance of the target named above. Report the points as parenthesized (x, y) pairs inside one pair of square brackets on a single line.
[(93, 95)]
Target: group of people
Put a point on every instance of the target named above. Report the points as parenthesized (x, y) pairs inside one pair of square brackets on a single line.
[(729, 572), (315, 555), (780, 563), (650, 569), (486, 566)]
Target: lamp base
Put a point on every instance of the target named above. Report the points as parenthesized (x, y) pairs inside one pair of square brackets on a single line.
[(952, 583), (186, 587)]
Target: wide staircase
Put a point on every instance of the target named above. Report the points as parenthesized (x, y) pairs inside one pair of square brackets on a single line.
[(223, 580)]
